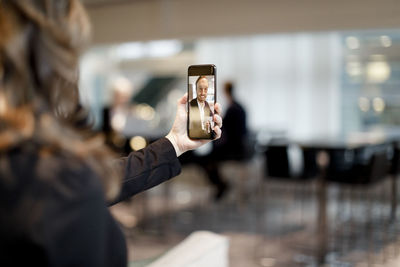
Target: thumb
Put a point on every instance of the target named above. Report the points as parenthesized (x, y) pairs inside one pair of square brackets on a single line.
[(183, 99), (182, 102)]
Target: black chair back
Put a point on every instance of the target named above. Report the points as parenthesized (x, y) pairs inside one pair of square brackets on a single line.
[(363, 173), (394, 168), (379, 167), (277, 161)]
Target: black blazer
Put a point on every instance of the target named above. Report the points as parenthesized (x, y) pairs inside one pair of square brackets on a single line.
[(195, 120), (64, 220)]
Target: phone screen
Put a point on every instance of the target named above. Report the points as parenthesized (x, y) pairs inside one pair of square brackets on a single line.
[(201, 98)]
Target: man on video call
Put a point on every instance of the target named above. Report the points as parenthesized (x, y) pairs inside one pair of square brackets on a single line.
[(200, 111)]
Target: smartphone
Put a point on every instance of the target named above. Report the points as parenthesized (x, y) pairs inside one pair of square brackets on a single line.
[(202, 96)]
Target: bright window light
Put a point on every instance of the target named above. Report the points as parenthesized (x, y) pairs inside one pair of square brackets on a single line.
[(129, 51), (164, 48), (137, 50)]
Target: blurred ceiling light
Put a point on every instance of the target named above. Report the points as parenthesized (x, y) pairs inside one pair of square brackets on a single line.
[(145, 112), (164, 48), (386, 41), (364, 104), (118, 122), (354, 68), (134, 50), (352, 42), (378, 71), (378, 104), (137, 143)]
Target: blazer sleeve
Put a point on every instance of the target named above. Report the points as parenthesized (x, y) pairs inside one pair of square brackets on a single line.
[(147, 168)]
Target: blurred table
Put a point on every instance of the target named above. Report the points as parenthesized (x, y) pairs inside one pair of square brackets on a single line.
[(328, 159)]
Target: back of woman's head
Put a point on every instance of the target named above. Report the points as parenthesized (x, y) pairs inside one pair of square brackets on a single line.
[(39, 49), (40, 44)]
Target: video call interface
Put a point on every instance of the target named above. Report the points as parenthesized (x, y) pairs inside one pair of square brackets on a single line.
[(201, 106)]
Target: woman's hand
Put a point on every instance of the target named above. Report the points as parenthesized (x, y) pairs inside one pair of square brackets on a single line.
[(178, 134)]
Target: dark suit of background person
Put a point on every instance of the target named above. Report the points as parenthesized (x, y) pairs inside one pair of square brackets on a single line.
[(195, 119), (233, 142)]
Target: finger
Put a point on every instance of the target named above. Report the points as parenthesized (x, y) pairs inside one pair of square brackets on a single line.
[(183, 99), (218, 132), (182, 104), (218, 108), (218, 120)]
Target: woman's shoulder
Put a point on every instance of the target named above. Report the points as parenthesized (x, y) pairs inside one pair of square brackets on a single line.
[(54, 172), (52, 199)]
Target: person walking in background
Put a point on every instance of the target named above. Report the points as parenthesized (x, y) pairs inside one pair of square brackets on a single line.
[(233, 142), (116, 114), (57, 178)]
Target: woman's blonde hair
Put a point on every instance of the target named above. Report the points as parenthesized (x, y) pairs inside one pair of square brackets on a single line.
[(40, 44)]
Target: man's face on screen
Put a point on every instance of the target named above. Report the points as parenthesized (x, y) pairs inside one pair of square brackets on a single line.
[(202, 88)]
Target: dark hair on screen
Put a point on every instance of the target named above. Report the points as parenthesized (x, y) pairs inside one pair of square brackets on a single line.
[(201, 77), (40, 45)]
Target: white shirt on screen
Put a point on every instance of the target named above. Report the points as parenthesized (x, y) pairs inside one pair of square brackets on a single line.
[(201, 109)]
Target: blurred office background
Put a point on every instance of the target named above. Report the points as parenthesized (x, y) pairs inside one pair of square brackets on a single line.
[(320, 82)]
